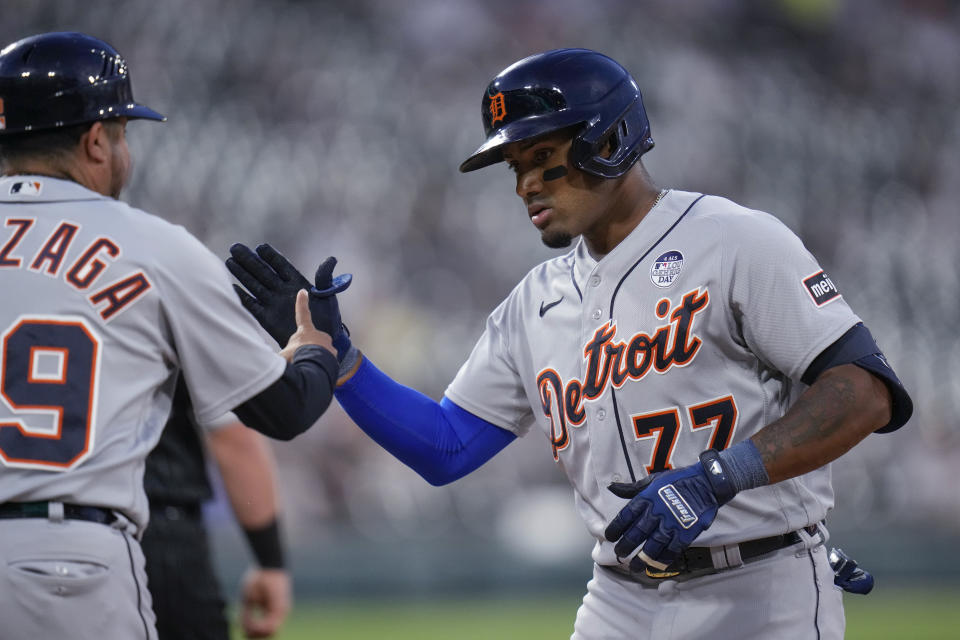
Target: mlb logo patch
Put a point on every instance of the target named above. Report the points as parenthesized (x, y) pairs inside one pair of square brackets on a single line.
[(821, 288), (31, 188), (666, 268)]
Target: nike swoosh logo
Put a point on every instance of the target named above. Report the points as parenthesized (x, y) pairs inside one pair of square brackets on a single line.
[(544, 308)]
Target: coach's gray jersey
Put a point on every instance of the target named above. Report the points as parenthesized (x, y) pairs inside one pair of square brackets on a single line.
[(692, 333), (103, 305)]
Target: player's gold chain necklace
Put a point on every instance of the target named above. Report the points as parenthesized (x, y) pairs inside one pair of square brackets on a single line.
[(660, 195)]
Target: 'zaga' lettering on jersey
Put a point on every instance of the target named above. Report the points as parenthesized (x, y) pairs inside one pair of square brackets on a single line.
[(612, 363), (83, 272)]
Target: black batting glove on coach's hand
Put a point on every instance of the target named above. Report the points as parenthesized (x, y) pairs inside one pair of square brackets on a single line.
[(271, 290), (668, 510)]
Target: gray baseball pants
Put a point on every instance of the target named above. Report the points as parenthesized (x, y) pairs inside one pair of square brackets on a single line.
[(72, 579)]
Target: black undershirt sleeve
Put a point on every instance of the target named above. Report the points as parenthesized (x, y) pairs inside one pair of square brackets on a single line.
[(297, 399)]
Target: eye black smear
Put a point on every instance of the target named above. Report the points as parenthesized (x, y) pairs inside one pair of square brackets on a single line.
[(555, 172)]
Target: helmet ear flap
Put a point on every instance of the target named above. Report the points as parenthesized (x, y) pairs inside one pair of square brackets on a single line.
[(609, 145), (585, 147), (613, 143), (628, 137)]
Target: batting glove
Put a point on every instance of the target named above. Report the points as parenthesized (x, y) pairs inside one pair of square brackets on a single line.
[(668, 510), (271, 290), (848, 576)]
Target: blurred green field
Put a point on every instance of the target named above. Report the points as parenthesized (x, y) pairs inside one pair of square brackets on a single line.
[(895, 614)]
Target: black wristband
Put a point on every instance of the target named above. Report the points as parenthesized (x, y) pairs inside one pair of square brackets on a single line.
[(321, 356), (266, 545)]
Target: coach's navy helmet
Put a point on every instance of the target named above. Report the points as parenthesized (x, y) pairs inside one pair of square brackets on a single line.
[(561, 88), (59, 79)]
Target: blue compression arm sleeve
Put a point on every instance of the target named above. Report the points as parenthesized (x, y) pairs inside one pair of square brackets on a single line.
[(440, 441)]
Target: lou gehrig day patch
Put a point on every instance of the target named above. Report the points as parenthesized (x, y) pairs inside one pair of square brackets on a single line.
[(666, 268), (821, 288)]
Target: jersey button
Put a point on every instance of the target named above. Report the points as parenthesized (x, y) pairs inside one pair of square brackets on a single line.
[(594, 281), (601, 414), (615, 477), (596, 314)]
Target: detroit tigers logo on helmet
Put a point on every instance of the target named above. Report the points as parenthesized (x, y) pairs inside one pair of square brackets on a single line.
[(498, 108)]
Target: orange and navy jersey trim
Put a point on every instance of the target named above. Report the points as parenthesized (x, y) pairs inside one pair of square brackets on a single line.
[(121, 294), (55, 249), (23, 225), (610, 363), (72, 401)]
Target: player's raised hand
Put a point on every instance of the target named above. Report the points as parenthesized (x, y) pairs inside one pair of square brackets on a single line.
[(271, 284), (325, 309), (306, 332), (667, 511)]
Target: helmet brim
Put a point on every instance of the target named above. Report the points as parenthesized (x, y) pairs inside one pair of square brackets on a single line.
[(491, 151), (145, 113), (132, 111)]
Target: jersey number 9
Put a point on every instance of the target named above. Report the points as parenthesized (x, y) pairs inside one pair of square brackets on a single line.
[(48, 372)]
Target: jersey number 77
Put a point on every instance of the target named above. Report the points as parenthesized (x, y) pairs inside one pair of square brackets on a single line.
[(663, 426)]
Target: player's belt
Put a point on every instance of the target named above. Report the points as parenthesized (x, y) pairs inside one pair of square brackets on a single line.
[(696, 559), (42, 510)]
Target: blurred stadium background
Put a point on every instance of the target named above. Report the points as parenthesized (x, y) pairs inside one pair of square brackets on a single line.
[(336, 128)]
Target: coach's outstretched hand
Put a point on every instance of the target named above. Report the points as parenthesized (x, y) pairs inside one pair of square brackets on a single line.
[(307, 333), (668, 510), (271, 289)]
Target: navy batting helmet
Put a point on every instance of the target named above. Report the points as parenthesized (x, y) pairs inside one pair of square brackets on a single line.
[(562, 88), (59, 79)]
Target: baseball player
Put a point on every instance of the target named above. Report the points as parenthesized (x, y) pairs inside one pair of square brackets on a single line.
[(104, 308), (187, 599), (692, 367)]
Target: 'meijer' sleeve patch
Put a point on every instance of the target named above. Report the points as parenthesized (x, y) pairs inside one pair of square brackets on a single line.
[(821, 288)]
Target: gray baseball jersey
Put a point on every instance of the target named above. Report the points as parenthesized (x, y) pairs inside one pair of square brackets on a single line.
[(692, 333), (104, 306)]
